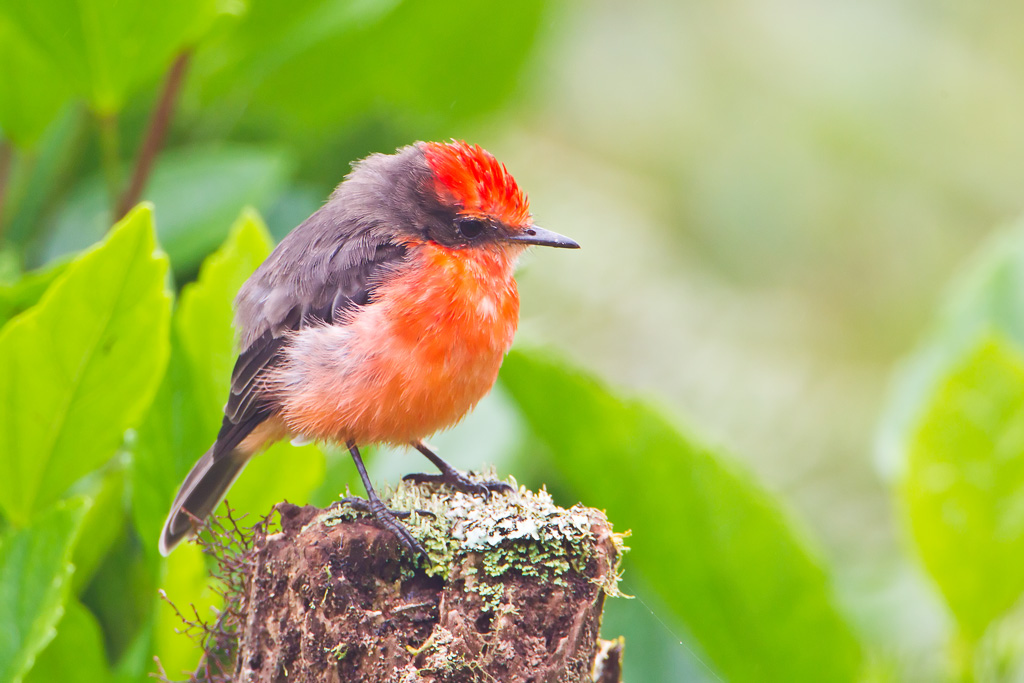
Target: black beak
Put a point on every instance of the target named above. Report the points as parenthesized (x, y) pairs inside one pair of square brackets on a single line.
[(545, 238)]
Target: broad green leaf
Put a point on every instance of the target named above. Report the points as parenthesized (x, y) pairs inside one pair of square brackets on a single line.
[(35, 179), (204, 319), (987, 295), (186, 415), (25, 293), (107, 48), (283, 472), (715, 547), (31, 90), (455, 60), (169, 440), (204, 330), (80, 368), (653, 645), (964, 488), (76, 655), (187, 584), (122, 596), (197, 193), (104, 522), (35, 578), (136, 663)]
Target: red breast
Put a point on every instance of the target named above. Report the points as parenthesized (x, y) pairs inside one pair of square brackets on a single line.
[(415, 361)]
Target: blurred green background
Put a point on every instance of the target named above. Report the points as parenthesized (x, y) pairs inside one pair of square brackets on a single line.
[(778, 204)]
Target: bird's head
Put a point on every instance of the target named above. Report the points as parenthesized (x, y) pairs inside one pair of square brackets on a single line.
[(453, 194)]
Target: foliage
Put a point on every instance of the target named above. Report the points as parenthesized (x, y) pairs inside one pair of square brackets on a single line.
[(626, 457), (35, 578), (953, 437), (111, 390), (731, 611), (197, 192), (92, 351), (102, 48), (963, 482)]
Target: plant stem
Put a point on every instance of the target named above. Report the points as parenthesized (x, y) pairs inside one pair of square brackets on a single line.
[(6, 161), (110, 154), (155, 132)]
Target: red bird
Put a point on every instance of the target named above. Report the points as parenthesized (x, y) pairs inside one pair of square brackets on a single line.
[(382, 318)]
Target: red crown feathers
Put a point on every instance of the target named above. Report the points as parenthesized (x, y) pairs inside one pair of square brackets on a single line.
[(471, 178)]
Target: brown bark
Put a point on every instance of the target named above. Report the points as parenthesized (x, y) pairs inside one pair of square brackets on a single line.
[(514, 593)]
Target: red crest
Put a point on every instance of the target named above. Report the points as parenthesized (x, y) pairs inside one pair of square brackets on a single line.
[(472, 179)]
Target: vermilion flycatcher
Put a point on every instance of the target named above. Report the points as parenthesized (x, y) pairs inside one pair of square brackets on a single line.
[(382, 318)]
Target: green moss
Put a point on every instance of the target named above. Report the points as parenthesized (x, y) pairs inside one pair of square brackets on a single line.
[(339, 651), (523, 532)]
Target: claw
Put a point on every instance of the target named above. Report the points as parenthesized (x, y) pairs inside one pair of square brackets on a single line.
[(461, 482), (380, 511), (389, 518), (363, 505)]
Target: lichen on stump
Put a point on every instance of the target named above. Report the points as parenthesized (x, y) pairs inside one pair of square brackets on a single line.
[(513, 593)]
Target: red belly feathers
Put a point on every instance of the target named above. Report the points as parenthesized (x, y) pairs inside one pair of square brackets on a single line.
[(413, 361)]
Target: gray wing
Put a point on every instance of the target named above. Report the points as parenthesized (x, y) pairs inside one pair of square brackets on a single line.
[(304, 283)]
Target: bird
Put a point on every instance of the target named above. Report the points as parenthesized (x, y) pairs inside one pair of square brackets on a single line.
[(382, 318)]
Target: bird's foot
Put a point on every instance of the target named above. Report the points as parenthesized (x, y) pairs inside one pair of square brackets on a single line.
[(363, 505), (460, 482), (389, 518)]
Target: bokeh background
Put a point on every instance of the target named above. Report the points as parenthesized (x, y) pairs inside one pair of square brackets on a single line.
[(772, 197)]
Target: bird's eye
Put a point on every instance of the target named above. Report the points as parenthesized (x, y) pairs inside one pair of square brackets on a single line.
[(470, 228)]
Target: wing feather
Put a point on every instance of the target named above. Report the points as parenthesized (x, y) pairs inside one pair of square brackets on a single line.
[(348, 283)]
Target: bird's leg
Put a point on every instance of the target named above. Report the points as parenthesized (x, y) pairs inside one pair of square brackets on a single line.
[(451, 476), (375, 506)]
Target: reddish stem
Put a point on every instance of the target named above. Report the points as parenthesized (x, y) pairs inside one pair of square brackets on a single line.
[(155, 133)]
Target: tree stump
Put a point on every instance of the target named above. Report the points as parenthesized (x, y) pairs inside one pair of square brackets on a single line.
[(514, 592)]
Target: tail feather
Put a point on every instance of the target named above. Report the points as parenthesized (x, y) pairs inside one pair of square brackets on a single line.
[(200, 494)]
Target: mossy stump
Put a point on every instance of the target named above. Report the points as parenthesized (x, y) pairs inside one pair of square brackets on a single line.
[(514, 593)]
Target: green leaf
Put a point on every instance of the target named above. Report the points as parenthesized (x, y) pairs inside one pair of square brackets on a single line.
[(204, 319), (122, 595), (453, 60), (80, 368), (964, 488), (283, 472), (136, 663), (169, 439), (186, 415), (204, 330), (653, 646), (107, 48), (31, 90), (197, 193), (987, 295), (102, 524), (26, 292), (187, 584), (715, 547), (36, 178), (35, 577), (76, 655)]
